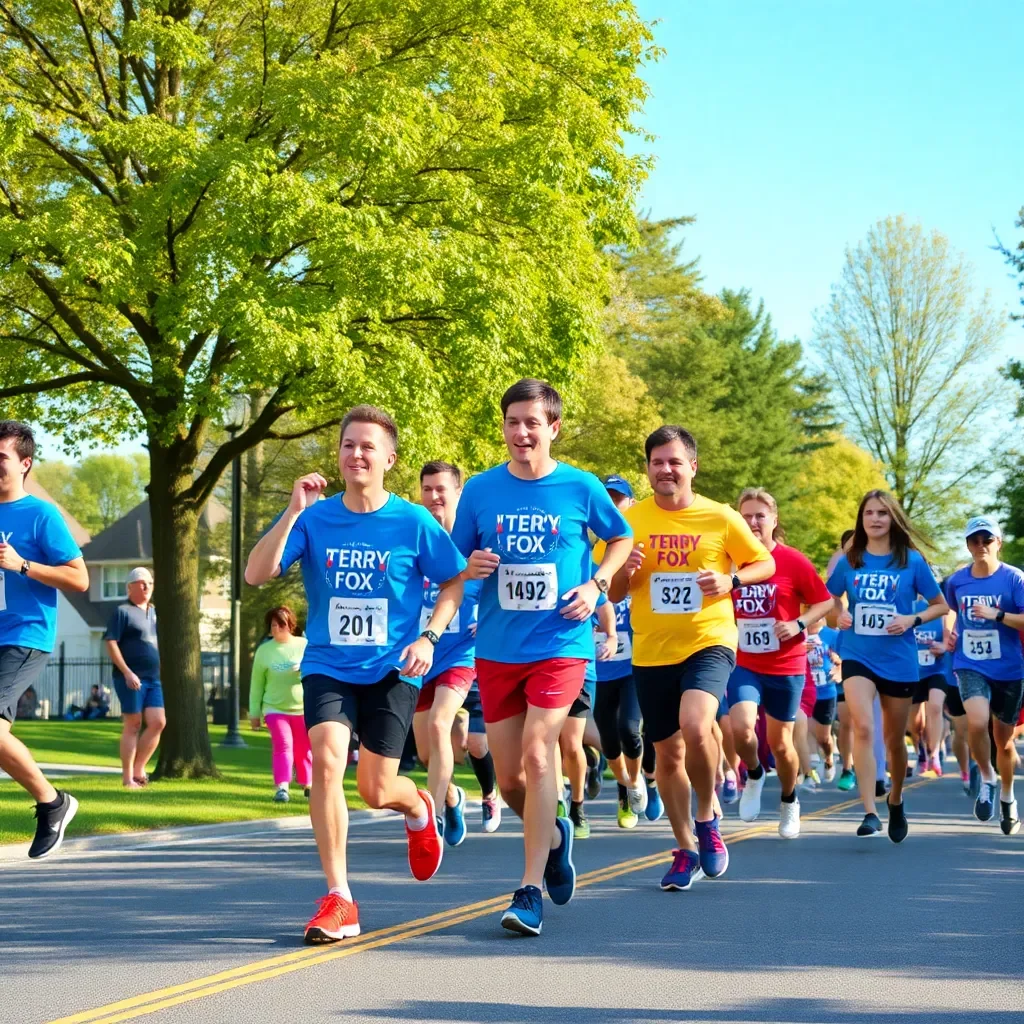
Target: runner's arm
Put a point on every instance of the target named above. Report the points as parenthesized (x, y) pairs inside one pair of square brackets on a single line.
[(449, 599), (1015, 620), (788, 630), (618, 588), (114, 652), (71, 576), (265, 558)]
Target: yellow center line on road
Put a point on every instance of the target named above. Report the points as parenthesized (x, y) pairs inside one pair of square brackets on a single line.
[(286, 963)]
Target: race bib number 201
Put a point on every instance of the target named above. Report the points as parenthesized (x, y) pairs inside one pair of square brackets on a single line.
[(675, 593), (358, 621), (528, 588)]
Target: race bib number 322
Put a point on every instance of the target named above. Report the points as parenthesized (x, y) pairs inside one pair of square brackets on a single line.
[(528, 588), (358, 621), (675, 593)]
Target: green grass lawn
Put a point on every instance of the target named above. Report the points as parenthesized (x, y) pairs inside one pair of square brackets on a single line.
[(243, 792)]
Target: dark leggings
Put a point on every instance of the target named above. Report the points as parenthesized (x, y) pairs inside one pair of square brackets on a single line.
[(617, 717)]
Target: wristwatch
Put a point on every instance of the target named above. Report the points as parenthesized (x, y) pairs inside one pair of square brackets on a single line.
[(25, 566), (1000, 615), (602, 585), (431, 636), (736, 582), (801, 625), (918, 620)]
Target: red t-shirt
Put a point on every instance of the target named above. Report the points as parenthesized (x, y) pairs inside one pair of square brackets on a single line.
[(760, 605)]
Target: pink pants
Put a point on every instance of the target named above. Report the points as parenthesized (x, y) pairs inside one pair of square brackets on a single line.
[(289, 745)]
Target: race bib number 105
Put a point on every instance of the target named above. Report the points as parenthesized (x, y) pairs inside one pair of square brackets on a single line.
[(873, 619), (528, 588), (358, 622), (675, 593)]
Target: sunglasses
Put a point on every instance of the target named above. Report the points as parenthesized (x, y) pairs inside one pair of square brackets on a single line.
[(981, 538)]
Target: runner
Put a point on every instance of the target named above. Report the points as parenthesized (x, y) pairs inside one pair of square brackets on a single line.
[(933, 663), (684, 637), (988, 663), (447, 684), (881, 575), (822, 661), (365, 556), (728, 788), (524, 525), (771, 666), (38, 557), (469, 737), (847, 777)]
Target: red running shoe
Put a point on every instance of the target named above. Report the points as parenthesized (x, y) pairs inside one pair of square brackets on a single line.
[(425, 846), (336, 918)]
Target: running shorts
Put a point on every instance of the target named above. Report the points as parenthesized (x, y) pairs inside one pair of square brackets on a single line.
[(459, 679), (507, 689)]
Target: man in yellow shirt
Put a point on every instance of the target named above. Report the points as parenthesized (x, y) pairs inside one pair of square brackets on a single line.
[(680, 575)]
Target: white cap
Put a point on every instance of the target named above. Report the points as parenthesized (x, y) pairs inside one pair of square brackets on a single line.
[(979, 524), (140, 574)]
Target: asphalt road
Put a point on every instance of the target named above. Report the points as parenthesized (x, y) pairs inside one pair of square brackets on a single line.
[(827, 928)]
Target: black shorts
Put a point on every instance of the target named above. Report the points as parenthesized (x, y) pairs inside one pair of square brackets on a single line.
[(954, 704), (885, 687), (379, 713), (824, 712), (659, 687), (19, 669), (584, 703), (926, 685)]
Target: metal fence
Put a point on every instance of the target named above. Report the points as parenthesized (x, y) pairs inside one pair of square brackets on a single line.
[(67, 682)]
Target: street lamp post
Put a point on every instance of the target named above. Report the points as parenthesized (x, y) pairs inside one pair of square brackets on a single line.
[(235, 420)]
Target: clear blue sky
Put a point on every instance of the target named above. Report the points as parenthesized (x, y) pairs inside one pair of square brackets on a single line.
[(788, 128)]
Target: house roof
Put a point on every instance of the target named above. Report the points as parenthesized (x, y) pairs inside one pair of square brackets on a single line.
[(130, 539), (94, 614), (80, 534)]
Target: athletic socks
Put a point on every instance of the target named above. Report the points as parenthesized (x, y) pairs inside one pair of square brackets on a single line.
[(623, 795), (791, 798), (417, 824), (341, 890), (54, 805), (1006, 795), (483, 769), (755, 773)]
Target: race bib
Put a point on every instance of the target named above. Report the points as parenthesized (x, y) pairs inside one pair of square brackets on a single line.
[(982, 644), (624, 648), (675, 593), (3, 593), (528, 588), (358, 621), (872, 619), (821, 680), (757, 636), (425, 613), (925, 657)]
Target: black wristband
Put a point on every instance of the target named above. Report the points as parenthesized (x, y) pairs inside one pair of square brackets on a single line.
[(431, 636), (802, 625), (1000, 615), (25, 566), (736, 582), (918, 620)]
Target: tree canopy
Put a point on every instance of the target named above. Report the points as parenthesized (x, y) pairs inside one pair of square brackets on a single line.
[(100, 489)]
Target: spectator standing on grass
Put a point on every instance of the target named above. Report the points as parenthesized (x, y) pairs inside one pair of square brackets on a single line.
[(132, 647), (38, 557), (275, 692)]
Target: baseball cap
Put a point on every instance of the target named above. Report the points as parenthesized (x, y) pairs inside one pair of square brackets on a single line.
[(139, 574), (979, 524), (617, 483)]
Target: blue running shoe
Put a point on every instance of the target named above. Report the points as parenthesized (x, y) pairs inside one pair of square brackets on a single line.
[(714, 857), (655, 805), (560, 872), (730, 790), (974, 781), (525, 912), (595, 773), (684, 872), (455, 819)]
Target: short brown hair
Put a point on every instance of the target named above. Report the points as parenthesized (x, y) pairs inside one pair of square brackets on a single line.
[(283, 616), (666, 435), (371, 414), (24, 439), (529, 389), (437, 466)]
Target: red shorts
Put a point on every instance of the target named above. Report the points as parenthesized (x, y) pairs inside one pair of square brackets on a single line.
[(809, 698), (460, 679), (506, 690)]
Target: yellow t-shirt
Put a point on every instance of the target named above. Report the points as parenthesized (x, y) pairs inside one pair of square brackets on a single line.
[(670, 616)]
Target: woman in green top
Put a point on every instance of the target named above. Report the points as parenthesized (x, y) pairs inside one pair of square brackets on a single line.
[(275, 692)]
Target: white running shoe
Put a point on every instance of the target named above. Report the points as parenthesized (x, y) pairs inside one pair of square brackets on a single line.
[(750, 798), (637, 796), (789, 820), (830, 772)]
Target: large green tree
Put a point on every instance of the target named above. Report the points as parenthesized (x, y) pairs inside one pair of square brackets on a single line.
[(903, 340), (397, 201), (100, 489)]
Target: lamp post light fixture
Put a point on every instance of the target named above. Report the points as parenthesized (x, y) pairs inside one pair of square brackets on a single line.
[(234, 420)]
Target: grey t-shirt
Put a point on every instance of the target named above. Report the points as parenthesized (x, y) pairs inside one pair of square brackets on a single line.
[(135, 633)]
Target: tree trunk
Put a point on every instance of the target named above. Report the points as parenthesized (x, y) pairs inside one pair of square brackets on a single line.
[(185, 745)]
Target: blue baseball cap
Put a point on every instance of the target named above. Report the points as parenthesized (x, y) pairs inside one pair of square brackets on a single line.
[(617, 483), (982, 524)]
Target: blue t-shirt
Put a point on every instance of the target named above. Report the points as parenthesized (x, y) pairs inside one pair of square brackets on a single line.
[(819, 662), (621, 664), (876, 592), (539, 529), (929, 664), (28, 608), (992, 649), (457, 646), (363, 573), (134, 631)]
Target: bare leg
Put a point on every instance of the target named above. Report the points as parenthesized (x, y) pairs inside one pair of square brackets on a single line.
[(978, 714), (696, 717), (574, 761), (860, 705), (442, 759), (505, 740), (787, 762), (16, 760), (674, 786), (130, 726), (895, 712), (149, 739), (327, 808)]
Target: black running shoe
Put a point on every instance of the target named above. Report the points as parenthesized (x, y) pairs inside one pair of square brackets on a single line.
[(870, 826), (595, 771), (880, 789), (983, 806), (897, 822), (50, 826), (1009, 822)]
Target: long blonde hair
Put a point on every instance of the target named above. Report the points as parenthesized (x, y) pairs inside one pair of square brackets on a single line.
[(761, 495)]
